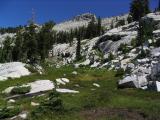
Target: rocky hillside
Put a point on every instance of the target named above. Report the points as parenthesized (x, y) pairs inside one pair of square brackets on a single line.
[(96, 51)]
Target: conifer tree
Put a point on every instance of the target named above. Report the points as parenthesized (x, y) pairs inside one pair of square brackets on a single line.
[(31, 43), (7, 50), (140, 37), (91, 29), (46, 39), (78, 49), (99, 26), (17, 53), (139, 8), (158, 9), (145, 31)]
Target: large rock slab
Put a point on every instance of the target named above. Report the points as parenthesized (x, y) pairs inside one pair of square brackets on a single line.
[(154, 85), (133, 81), (13, 70)]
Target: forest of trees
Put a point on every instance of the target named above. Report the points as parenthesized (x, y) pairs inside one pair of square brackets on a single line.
[(32, 44), (29, 44)]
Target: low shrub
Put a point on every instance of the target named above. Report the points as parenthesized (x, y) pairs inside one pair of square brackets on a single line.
[(124, 48), (7, 112), (52, 104), (120, 72), (20, 90), (110, 56), (143, 54), (31, 68)]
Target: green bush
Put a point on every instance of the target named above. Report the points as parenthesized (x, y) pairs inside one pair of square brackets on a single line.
[(120, 72), (31, 69), (110, 56), (53, 104), (124, 48), (20, 90), (8, 112), (143, 54)]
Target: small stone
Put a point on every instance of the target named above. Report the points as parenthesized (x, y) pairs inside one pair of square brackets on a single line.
[(74, 73), (95, 84), (34, 104), (11, 101), (93, 89), (76, 85), (23, 115)]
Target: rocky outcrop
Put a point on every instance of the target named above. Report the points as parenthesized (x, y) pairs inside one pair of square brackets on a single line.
[(86, 16)]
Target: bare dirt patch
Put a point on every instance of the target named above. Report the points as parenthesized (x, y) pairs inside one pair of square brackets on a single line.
[(110, 113)]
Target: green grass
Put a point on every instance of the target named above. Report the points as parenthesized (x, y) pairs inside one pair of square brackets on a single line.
[(107, 96)]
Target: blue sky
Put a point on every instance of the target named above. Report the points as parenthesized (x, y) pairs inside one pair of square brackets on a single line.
[(18, 12)]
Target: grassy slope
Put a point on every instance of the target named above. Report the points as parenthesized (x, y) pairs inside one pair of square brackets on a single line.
[(107, 96)]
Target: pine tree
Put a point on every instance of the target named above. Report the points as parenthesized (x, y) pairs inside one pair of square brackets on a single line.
[(31, 43), (145, 31), (158, 9), (146, 6), (139, 8), (91, 29), (141, 32), (7, 50), (99, 26), (17, 53), (112, 25), (110, 56), (46, 39), (78, 49)]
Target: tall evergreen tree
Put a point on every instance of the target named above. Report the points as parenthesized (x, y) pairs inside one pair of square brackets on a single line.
[(78, 49), (146, 6), (99, 26), (31, 43), (141, 32), (17, 53), (139, 8), (158, 6), (145, 31), (46, 39), (7, 50), (91, 29)]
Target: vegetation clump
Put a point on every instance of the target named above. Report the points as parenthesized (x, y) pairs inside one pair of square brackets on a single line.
[(8, 112), (20, 90), (124, 48), (53, 104), (120, 72)]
